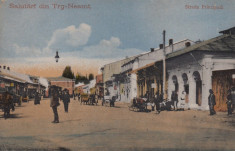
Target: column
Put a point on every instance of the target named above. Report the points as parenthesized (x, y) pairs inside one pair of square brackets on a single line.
[(192, 91), (206, 86)]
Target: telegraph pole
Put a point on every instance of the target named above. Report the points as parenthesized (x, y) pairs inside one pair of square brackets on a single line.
[(164, 66)]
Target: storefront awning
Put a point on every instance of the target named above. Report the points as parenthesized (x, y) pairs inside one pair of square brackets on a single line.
[(146, 66)]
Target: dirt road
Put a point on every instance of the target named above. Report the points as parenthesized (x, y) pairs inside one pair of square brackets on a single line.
[(103, 128)]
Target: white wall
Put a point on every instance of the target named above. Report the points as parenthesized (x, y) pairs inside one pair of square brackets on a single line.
[(205, 66)]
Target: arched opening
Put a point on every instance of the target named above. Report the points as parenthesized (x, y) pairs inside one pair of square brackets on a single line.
[(175, 81), (198, 81), (186, 86)]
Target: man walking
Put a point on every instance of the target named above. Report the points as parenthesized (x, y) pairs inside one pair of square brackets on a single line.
[(66, 100), (157, 102), (174, 98), (54, 104), (211, 102), (37, 98)]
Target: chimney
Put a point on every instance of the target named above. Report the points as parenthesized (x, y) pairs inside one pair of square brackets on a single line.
[(170, 42), (152, 49), (4, 67), (8, 68), (187, 44), (161, 46)]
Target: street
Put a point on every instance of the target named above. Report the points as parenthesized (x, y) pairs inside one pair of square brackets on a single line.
[(87, 127)]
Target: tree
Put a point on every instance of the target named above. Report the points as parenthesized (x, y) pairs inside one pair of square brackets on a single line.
[(91, 76), (67, 73), (80, 78)]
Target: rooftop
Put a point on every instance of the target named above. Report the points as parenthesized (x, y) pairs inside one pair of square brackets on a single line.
[(223, 43), (59, 79), (228, 31), (15, 75)]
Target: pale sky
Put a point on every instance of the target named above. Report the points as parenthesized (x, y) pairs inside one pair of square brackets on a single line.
[(107, 31)]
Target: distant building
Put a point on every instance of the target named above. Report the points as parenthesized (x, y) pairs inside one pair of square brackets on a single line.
[(64, 83), (78, 89), (20, 84), (109, 71), (99, 85)]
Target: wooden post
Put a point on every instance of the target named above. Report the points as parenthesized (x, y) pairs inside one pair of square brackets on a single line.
[(164, 66)]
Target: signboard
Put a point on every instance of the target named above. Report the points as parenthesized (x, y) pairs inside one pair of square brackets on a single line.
[(153, 85), (2, 85)]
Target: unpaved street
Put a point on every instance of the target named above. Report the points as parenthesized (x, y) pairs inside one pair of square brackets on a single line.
[(101, 128)]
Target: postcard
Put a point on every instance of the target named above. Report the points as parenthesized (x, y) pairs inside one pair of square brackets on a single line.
[(117, 75)]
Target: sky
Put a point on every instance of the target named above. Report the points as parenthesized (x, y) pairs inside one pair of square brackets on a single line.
[(103, 32)]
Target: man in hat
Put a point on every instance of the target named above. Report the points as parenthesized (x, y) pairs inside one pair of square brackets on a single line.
[(66, 100), (211, 102), (174, 98), (54, 104), (158, 99), (37, 98)]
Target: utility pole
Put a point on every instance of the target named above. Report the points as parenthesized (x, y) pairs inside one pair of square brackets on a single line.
[(164, 66)]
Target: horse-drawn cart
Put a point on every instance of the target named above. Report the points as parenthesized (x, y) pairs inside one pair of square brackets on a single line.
[(89, 99), (109, 100), (139, 105)]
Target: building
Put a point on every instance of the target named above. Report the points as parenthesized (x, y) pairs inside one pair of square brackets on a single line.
[(20, 84), (78, 88), (194, 69), (144, 69), (207, 65), (64, 83), (109, 71), (99, 85)]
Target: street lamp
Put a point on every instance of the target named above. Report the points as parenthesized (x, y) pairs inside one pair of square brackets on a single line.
[(57, 56)]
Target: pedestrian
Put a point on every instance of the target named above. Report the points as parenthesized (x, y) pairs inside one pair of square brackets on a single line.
[(174, 98), (182, 102), (54, 104), (233, 97), (79, 97), (66, 100), (152, 103), (211, 102), (37, 98), (157, 102), (74, 95), (229, 102), (7, 103)]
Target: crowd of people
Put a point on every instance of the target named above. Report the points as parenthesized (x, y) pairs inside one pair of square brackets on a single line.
[(157, 101)]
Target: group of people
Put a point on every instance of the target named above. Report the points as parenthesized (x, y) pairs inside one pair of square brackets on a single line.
[(230, 101), (56, 96), (183, 102), (6, 103)]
